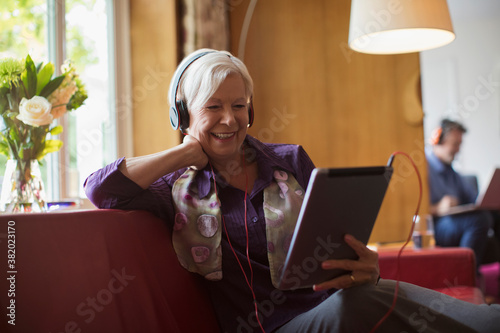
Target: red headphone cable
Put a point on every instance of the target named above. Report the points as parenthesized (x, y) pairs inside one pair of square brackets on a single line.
[(396, 290), (249, 283)]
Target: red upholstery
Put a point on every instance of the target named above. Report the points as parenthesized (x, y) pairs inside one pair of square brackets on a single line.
[(116, 271), (448, 270), (99, 271)]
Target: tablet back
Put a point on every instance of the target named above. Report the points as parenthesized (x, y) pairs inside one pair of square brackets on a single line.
[(487, 200), (337, 201)]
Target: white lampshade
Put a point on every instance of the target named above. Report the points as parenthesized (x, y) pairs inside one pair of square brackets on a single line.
[(399, 26)]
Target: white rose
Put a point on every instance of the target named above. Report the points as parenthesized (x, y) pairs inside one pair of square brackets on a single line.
[(35, 111)]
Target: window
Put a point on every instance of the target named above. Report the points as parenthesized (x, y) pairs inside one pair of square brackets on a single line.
[(90, 33)]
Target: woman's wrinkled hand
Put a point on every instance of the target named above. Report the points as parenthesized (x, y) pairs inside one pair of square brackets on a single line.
[(195, 153), (364, 270)]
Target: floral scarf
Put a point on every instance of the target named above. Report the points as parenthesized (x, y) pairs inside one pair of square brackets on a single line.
[(197, 229)]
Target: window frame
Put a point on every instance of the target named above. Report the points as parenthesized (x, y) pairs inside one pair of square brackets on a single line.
[(57, 186)]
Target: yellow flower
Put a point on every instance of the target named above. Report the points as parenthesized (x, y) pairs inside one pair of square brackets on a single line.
[(35, 111)]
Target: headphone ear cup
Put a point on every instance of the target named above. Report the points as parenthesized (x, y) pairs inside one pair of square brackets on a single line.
[(174, 118), (250, 114), (437, 136), (441, 136), (183, 114)]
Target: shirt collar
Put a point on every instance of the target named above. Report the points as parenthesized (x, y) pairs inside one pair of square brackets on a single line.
[(267, 157), (267, 161), (436, 163)]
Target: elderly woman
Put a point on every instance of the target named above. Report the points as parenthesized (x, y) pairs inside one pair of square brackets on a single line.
[(219, 191)]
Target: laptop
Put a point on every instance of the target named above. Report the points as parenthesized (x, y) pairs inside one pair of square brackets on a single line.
[(487, 200), (337, 201)]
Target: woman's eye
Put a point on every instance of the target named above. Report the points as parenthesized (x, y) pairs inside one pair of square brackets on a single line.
[(213, 107), (240, 106)]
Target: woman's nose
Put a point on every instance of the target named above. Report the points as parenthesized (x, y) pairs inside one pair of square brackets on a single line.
[(228, 115)]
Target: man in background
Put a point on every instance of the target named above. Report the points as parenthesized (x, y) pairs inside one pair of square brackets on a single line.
[(449, 189)]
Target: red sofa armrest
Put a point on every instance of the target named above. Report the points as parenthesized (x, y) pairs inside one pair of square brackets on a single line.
[(98, 271), (432, 268)]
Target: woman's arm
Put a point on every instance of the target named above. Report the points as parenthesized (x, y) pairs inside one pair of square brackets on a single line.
[(139, 183), (144, 170)]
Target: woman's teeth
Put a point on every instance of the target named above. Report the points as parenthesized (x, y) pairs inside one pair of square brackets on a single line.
[(222, 136)]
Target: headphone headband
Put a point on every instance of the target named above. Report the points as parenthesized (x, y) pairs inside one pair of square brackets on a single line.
[(179, 115), (175, 117)]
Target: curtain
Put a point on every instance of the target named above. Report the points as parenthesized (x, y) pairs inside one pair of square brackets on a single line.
[(204, 24)]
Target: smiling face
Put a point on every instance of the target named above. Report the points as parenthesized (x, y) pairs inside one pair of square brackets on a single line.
[(220, 125)]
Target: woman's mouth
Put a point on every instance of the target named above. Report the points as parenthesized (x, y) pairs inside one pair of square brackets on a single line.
[(223, 136)]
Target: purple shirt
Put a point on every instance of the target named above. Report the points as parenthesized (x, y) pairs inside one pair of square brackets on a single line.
[(231, 296)]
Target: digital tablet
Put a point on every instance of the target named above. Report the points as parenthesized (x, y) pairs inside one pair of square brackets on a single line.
[(487, 200), (338, 201)]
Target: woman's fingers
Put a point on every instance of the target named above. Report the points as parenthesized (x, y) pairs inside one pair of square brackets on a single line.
[(342, 282), (198, 157), (364, 270), (348, 265), (356, 245)]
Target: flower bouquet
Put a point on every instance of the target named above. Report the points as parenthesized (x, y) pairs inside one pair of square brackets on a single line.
[(31, 101)]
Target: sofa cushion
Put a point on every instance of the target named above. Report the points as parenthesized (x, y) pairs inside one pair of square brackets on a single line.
[(100, 271), (431, 268), (451, 271)]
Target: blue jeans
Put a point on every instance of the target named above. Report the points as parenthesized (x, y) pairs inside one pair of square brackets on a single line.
[(465, 230)]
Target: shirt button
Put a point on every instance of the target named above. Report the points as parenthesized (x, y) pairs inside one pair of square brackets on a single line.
[(255, 219)]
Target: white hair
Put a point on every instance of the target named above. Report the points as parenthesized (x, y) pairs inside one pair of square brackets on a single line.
[(204, 76)]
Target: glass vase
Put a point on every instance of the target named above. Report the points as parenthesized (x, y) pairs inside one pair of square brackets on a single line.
[(22, 189)]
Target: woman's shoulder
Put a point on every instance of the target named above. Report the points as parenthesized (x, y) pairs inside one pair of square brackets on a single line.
[(285, 149), (281, 150)]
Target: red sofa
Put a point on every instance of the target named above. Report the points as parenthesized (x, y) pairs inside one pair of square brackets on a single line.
[(116, 271), (448, 270)]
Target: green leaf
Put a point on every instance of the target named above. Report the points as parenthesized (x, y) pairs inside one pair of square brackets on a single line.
[(27, 145), (78, 97), (4, 149), (56, 130), (30, 79), (11, 114), (13, 101), (43, 77), (51, 86), (14, 136), (51, 146), (4, 103)]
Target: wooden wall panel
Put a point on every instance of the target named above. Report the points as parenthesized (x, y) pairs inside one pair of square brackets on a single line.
[(345, 108), (154, 59)]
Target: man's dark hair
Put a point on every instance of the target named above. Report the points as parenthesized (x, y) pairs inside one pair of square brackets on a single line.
[(449, 125)]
